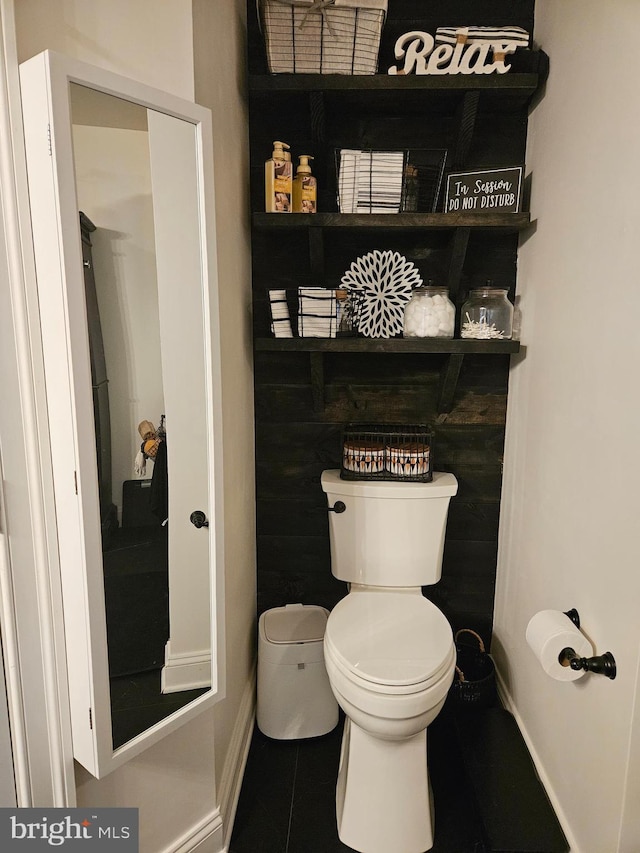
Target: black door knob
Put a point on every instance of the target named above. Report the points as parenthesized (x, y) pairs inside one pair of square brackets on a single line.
[(198, 519)]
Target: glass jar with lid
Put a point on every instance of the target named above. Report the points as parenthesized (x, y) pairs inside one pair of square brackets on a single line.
[(487, 314), (429, 313)]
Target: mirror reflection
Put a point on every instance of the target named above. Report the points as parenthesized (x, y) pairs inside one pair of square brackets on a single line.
[(154, 592)]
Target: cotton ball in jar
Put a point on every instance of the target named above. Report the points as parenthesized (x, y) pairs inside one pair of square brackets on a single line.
[(429, 314)]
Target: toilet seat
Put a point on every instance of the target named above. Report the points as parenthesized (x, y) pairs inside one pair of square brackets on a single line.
[(390, 642), (387, 690)]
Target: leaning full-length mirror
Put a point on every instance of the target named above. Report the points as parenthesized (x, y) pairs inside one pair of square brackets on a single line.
[(124, 243)]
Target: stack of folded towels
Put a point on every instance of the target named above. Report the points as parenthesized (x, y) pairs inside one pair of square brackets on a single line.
[(370, 181), (317, 312)]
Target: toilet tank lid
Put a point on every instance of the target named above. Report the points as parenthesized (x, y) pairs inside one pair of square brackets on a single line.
[(295, 623), (443, 485)]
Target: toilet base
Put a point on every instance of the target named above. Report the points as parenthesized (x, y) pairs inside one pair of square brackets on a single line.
[(383, 795)]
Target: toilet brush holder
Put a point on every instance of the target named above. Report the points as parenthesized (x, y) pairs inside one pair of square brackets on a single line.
[(474, 683)]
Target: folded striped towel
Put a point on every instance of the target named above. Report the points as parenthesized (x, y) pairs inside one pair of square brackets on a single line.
[(280, 319), (370, 181), (474, 35), (317, 312)]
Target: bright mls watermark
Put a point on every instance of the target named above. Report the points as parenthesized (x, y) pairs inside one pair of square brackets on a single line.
[(109, 830)]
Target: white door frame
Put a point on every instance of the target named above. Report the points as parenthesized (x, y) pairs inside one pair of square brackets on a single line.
[(30, 608), (8, 798)]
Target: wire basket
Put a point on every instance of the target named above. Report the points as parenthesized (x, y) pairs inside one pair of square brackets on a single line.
[(474, 684), (307, 37), (387, 452), (423, 179)]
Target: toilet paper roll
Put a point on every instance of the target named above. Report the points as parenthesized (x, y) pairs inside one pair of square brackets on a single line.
[(548, 633)]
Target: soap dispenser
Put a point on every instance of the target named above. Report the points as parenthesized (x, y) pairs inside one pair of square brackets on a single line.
[(278, 180), (304, 187)]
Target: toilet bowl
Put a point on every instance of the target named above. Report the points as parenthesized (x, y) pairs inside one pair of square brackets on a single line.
[(390, 658)]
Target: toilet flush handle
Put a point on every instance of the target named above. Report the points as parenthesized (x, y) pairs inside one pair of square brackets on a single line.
[(339, 506)]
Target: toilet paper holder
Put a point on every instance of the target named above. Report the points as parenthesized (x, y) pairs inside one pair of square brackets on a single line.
[(604, 664)]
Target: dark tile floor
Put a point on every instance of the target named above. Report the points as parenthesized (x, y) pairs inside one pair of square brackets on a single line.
[(287, 801)]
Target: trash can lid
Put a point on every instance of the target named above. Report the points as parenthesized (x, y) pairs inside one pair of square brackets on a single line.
[(295, 623)]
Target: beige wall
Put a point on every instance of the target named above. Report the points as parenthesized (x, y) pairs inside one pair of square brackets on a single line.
[(568, 533), (148, 40), (219, 48), (174, 783)]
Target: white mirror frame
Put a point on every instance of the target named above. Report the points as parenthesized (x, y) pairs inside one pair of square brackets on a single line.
[(45, 81)]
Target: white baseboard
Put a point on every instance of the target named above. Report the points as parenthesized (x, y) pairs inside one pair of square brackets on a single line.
[(236, 760), (185, 672), (207, 836), (507, 701), (213, 833)]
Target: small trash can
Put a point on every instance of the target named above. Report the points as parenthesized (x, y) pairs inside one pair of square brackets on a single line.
[(294, 696)]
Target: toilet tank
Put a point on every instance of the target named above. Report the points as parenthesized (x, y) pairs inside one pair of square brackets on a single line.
[(390, 533)]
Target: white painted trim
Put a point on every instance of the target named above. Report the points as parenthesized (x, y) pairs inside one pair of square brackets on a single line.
[(185, 671), (30, 597), (11, 663), (206, 836), (507, 701), (8, 798), (630, 819), (236, 760)]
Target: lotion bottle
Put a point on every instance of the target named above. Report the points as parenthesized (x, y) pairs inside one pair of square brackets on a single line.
[(305, 187), (278, 180)]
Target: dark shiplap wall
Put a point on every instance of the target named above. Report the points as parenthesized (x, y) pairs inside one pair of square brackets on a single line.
[(294, 442)]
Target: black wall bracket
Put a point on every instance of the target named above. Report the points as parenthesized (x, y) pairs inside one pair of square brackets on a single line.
[(604, 664), (601, 664)]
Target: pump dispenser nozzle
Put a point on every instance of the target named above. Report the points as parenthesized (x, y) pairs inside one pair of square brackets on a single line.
[(304, 168), (278, 150)]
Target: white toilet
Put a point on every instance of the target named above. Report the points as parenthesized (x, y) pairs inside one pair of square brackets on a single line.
[(389, 653)]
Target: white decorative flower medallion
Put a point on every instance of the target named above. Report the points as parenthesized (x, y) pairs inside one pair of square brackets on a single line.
[(380, 285)]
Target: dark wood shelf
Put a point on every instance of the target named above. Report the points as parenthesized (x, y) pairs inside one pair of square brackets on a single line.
[(455, 350), (383, 92), (526, 83), (333, 104), (504, 223), (387, 345)]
